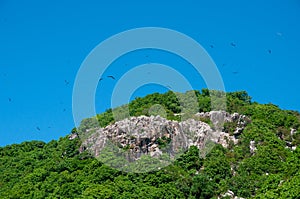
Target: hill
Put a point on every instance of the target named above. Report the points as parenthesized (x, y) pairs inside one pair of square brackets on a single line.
[(257, 157)]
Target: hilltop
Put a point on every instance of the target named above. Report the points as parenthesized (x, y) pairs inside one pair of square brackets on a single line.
[(254, 154)]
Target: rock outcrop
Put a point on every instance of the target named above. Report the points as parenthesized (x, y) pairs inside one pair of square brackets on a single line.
[(218, 118), (229, 194), (252, 147), (156, 135)]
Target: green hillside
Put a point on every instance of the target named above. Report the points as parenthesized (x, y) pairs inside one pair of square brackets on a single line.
[(58, 170)]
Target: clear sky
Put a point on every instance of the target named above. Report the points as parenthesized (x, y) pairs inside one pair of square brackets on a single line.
[(43, 44)]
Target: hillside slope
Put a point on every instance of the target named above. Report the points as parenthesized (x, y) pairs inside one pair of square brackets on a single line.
[(264, 163)]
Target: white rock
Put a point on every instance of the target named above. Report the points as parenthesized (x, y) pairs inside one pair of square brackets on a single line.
[(142, 134)]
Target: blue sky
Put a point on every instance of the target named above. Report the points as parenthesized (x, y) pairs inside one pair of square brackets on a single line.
[(43, 44)]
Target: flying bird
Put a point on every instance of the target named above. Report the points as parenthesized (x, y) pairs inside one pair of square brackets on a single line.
[(9, 99), (110, 76), (100, 79), (66, 82), (211, 46), (38, 128), (233, 44), (269, 51), (235, 72)]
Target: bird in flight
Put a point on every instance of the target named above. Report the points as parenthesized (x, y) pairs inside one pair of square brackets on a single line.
[(100, 79), (66, 82), (269, 51), (211, 46), (233, 44), (9, 99), (38, 128), (110, 76), (235, 72)]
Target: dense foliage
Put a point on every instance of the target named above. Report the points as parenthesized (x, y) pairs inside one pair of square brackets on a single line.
[(57, 170)]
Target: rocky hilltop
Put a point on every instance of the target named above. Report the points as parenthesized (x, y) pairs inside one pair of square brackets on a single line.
[(156, 135), (108, 156)]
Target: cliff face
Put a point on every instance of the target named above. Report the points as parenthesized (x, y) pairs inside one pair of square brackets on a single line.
[(155, 135)]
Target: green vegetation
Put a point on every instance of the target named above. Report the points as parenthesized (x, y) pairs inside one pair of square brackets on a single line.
[(57, 170)]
